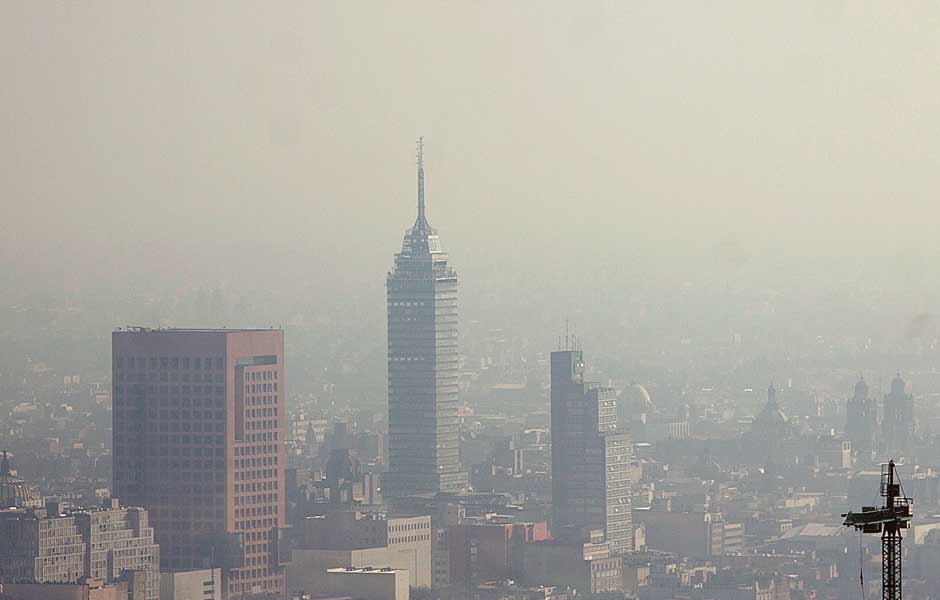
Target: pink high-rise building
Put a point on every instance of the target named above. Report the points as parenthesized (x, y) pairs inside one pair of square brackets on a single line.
[(199, 441)]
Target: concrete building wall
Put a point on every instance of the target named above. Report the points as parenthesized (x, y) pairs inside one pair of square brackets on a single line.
[(440, 558), (564, 565), (606, 574), (554, 564), (618, 522), (368, 584), (634, 577), (201, 584), (733, 538), (109, 544), (408, 540), (119, 542), (919, 531), (685, 534), (64, 591), (411, 538), (481, 552), (34, 548), (308, 567)]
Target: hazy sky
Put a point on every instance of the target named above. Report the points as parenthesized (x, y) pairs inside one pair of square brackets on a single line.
[(197, 140)]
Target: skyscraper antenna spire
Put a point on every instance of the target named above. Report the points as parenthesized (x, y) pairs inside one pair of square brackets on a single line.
[(420, 161)]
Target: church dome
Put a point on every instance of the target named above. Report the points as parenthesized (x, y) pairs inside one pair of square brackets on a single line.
[(14, 491), (771, 417), (638, 398)]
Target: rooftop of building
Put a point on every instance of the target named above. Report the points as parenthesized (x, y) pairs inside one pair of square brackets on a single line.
[(364, 516), (509, 584), (812, 530), (63, 510), (364, 570)]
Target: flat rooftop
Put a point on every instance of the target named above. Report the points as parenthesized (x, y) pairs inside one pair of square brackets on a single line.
[(132, 329), (364, 570)]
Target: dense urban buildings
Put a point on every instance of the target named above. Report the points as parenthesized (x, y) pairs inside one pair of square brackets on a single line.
[(198, 423), (399, 542), (88, 589), (590, 455), (62, 545), (485, 550), (716, 195), (584, 564), (423, 439)]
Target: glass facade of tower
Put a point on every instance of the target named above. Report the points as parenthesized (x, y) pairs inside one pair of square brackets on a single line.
[(423, 440)]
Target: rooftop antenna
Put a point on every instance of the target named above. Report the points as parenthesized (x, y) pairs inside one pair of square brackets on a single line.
[(420, 161), (567, 345)]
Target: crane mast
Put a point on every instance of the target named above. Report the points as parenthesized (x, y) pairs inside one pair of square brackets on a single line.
[(888, 520)]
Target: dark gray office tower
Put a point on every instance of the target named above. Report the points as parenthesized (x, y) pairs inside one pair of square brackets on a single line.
[(423, 442), (590, 456)]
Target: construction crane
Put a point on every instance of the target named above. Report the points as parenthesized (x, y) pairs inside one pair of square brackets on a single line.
[(888, 520)]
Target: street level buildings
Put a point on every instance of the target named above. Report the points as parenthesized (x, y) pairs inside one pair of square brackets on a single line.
[(348, 537), (67, 546)]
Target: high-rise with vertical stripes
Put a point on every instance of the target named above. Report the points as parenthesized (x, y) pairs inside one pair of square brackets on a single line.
[(423, 439), (590, 456)]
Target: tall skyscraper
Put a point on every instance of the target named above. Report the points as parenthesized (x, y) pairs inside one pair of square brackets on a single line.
[(423, 441), (590, 455), (198, 425)]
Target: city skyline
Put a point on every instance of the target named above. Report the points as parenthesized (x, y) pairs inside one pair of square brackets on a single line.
[(677, 335)]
